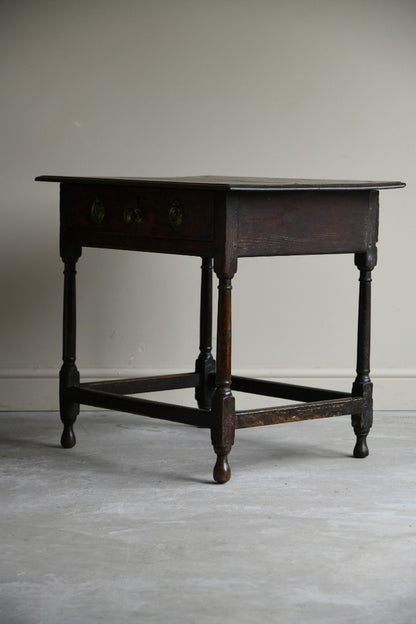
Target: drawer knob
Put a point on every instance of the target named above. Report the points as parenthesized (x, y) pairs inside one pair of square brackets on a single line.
[(175, 215), (97, 211), (134, 215)]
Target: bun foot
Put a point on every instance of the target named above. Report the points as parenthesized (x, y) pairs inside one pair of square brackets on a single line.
[(361, 448), (68, 439), (222, 470)]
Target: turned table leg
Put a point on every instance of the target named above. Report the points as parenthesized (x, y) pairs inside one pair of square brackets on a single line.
[(362, 386), (205, 364), (69, 375), (223, 404)]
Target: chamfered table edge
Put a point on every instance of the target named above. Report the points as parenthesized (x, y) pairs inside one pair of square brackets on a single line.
[(224, 183)]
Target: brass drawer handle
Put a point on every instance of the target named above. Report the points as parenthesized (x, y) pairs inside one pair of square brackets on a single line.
[(175, 215), (134, 215), (97, 211)]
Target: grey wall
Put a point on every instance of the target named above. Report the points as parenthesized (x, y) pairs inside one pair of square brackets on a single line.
[(184, 87)]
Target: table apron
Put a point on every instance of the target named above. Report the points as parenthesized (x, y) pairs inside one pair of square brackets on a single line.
[(307, 223)]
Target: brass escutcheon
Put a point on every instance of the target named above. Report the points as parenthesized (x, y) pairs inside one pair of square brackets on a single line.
[(175, 215), (97, 211), (134, 215)]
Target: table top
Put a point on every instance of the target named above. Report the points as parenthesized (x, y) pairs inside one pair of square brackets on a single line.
[(230, 183)]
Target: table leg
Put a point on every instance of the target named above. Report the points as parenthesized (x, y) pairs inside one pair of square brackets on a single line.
[(69, 375), (362, 386), (223, 404), (205, 364)]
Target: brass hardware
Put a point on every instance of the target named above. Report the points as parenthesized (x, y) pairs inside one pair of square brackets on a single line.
[(175, 215), (98, 211), (134, 215)]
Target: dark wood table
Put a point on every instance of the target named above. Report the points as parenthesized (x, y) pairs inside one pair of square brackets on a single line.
[(219, 219)]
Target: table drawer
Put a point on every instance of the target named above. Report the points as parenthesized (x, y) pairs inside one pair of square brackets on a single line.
[(106, 213)]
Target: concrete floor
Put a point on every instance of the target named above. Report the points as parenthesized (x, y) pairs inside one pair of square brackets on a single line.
[(128, 527)]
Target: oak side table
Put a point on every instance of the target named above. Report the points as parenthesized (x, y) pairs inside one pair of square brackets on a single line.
[(219, 219)]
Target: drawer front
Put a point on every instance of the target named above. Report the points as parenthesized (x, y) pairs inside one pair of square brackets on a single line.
[(102, 215)]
